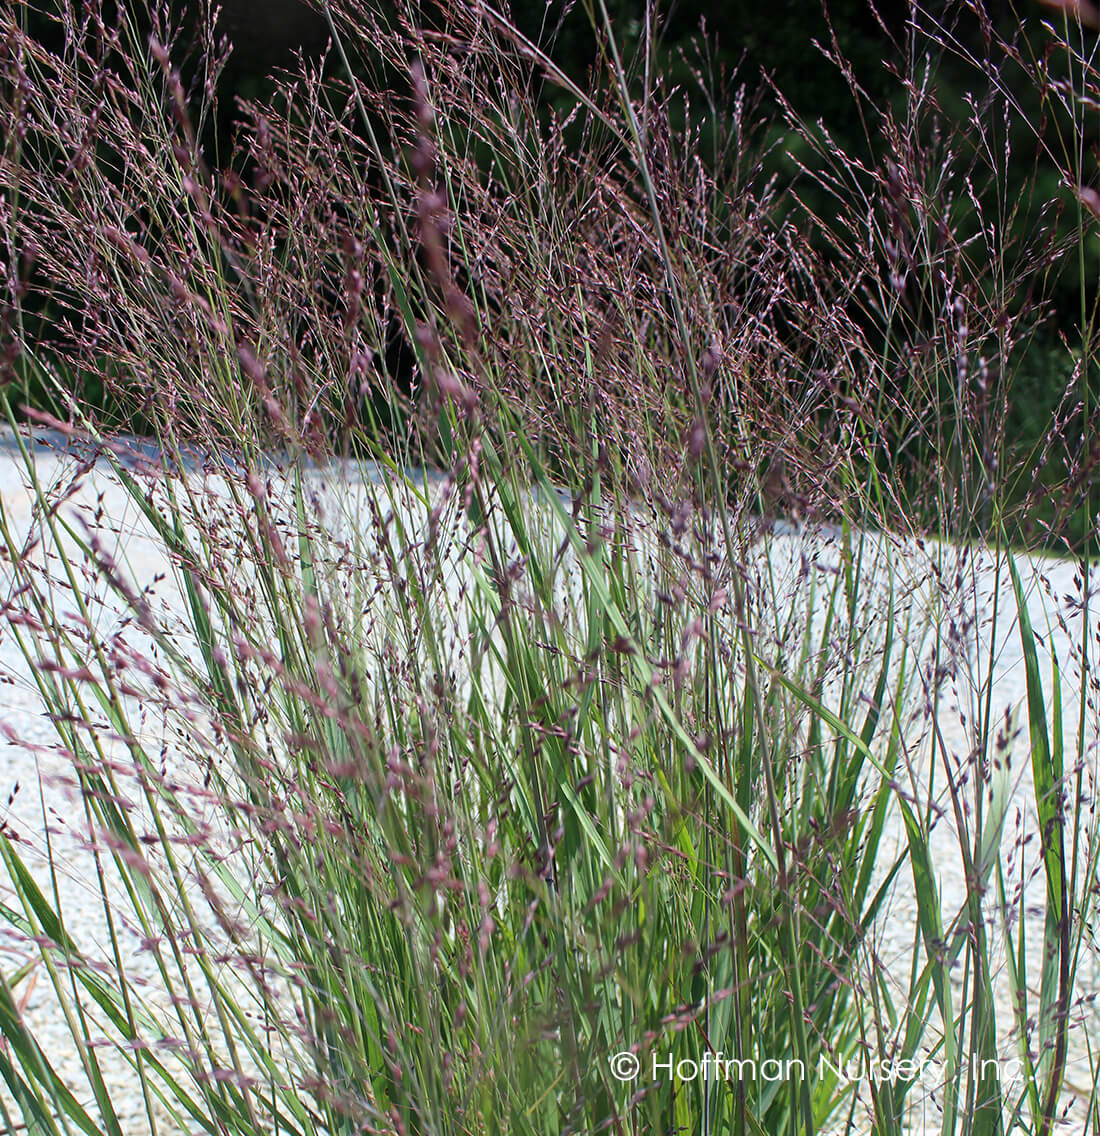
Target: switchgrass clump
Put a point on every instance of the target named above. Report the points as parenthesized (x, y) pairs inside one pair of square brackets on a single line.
[(575, 735)]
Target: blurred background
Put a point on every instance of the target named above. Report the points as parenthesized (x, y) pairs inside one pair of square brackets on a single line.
[(815, 76)]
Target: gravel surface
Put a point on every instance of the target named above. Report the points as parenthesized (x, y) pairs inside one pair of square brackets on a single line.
[(964, 588)]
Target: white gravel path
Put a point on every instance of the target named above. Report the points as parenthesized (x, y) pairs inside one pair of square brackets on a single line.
[(965, 583)]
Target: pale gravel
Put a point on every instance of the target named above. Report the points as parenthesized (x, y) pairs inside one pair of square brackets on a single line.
[(965, 585)]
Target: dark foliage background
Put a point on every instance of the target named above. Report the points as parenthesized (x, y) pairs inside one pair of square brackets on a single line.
[(785, 52), (781, 45)]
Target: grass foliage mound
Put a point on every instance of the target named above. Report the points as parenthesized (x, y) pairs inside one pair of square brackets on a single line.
[(565, 789)]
